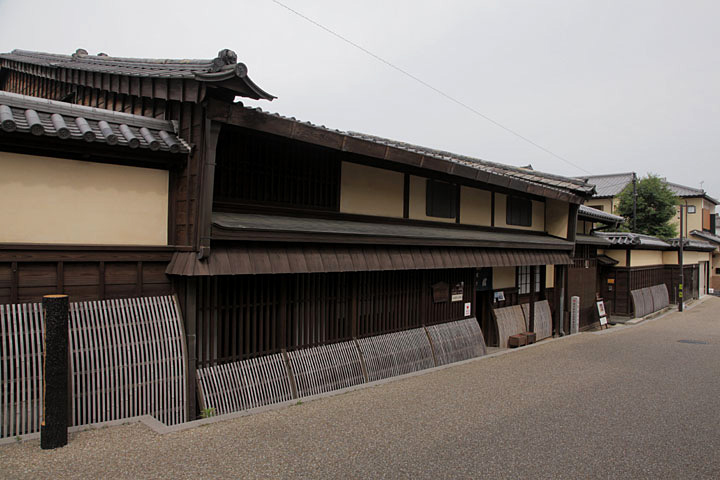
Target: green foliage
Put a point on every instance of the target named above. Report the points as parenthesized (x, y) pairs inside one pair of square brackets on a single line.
[(207, 412), (656, 206)]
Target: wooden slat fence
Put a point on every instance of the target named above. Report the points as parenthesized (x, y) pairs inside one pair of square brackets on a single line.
[(237, 386), (396, 354), (542, 320), (456, 341), (291, 375), (127, 358), (21, 367), (326, 368), (510, 321)]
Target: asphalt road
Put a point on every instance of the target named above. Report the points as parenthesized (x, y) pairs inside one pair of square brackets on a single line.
[(632, 403)]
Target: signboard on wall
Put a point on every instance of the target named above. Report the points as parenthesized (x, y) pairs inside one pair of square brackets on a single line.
[(468, 309), (457, 292), (440, 292)]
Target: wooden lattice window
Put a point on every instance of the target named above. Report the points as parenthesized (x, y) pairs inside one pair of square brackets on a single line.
[(253, 168)]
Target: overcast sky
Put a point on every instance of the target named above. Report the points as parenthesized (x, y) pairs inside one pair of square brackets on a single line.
[(612, 86)]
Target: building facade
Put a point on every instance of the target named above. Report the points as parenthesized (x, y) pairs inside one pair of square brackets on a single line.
[(274, 234)]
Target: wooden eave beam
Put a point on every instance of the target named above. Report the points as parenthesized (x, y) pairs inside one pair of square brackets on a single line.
[(240, 116), (221, 234)]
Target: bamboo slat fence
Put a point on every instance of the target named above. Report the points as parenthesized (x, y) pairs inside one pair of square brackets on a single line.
[(299, 373), (127, 358)]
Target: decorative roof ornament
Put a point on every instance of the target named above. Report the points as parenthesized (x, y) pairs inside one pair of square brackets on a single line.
[(79, 53), (224, 57)]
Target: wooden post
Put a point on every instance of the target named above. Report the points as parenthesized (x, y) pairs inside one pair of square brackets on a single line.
[(531, 320), (53, 429), (191, 336), (207, 185)]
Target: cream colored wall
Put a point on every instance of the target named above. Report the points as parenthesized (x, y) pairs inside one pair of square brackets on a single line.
[(689, 258), (371, 191), (618, 255), (503, 277), (51, 200), (475, 206), (608, 204), (549, 276), (644, 258), (538, 214), (417, 201), (584, 227), (556, 215), (693, 221)]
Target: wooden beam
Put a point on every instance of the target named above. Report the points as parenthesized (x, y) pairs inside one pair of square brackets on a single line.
[(207, 185)]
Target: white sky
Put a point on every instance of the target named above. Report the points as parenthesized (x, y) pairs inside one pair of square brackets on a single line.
[(613, 86)]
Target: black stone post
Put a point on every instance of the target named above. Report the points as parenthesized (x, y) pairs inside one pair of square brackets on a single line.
[(53, 429)]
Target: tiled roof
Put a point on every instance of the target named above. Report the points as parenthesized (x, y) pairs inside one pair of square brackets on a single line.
[(225, 225), (221, 68), (599, 215), (685, 191), (592, 240), (633, 240), (613, 184), (525, 175), (609, 185), (41, 117), (693, 244), (706, 235)]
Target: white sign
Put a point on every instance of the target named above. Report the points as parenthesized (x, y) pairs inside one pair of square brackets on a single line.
[(574, 314), (468, 309), (603, 321), (601, 308)]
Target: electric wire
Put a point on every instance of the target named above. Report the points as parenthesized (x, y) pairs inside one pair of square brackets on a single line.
[(427, 85)]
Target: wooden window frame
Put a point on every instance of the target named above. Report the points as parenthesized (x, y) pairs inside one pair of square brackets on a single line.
[(518, 211), (441, 199)]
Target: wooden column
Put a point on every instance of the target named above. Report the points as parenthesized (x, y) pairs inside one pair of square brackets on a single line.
[(207, 186), (191, 340), (53, 429)]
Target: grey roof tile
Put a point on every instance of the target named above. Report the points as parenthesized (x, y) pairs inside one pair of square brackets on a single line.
[(223, 67), (609, 185), (42, 117), (595, 214), (633, 240)]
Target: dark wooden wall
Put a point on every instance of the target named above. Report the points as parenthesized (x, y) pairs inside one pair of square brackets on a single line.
[(26, 277), (628, 279), (246, 316)]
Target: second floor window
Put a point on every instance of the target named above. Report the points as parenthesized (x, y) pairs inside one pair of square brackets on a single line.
[(441, 199), (519, 211)]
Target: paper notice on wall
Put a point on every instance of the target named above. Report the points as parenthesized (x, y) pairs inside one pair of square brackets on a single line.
[(468, 309)]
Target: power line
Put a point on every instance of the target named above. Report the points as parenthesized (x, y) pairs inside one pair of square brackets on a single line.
[(424, 83)]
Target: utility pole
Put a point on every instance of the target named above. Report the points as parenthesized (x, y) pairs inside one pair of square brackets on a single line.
[(680, 261), (634, 224)]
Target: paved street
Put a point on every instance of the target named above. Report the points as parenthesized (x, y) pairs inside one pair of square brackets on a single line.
[(634, 403)]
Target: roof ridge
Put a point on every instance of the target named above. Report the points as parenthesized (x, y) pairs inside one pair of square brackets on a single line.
[(108, 58)]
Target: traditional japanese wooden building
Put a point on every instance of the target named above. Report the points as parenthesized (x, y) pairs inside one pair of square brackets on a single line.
[(275, 234)]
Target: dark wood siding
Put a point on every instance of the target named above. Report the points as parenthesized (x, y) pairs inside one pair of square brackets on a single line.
[(28, 281), (246, 316)]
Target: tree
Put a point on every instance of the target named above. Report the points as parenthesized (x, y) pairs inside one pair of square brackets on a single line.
[(656, 206)]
